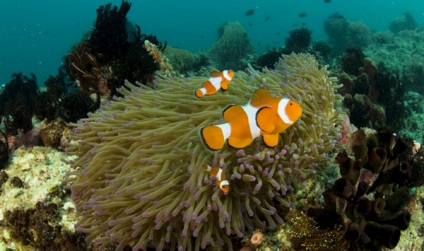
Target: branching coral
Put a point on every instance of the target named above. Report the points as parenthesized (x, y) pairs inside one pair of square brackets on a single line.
[(156, 52), (139, 180)]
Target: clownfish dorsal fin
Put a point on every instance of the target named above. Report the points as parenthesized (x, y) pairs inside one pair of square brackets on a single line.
[(231, 112), (271, 140), (239, 142), (260, 97), (215, 74), (266, 119)]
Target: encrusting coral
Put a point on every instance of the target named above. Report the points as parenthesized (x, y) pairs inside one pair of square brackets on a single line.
[(138, 179)]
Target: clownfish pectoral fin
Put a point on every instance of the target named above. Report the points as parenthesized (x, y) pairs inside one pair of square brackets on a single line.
[(271, 140), (199, 93), (260, 97), (212, 137), (231, 112), (239, 142), (224, 84), (266, 119)]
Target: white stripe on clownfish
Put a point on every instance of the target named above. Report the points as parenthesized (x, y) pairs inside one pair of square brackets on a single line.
[(263, 115), (221, 180), (218, 80)]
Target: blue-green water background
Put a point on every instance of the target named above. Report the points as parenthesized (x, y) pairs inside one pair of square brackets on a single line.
[(36, 35)]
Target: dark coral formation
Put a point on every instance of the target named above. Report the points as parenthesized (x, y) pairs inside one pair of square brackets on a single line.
[(46, 103), (371, 198), (3, 178), (373, 96), (233, 47), (16, 103), (322, 50), (76, 105), (343, 33), (306, 234), (114, 52), (4, 151), (109, 37), (298, 41), (38, 228), (403, 22), (268, 59)]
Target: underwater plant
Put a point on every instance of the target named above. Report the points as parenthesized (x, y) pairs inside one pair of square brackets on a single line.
[(139, 180)]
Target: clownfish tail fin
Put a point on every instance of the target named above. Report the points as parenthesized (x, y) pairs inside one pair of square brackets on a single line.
[(213, 137), (198, 93)]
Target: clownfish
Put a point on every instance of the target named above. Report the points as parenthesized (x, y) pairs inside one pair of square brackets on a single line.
[(218, 80), (263, 115), (275, 115), (221, 180)]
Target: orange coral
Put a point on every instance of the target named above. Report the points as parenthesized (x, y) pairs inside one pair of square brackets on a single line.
[(256, 239), (157, 55)]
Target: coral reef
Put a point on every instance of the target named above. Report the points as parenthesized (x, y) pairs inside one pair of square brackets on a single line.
[(403, 22), (36, 213), (268, 59), (233, 47), (322, 51), (111, 54), (344, 34), (109, 37), (4, 151), (306, 234), (373, 95), (76, 105), (184, 61), (16, 103), (372, 196), (298, 40), (138, 179)]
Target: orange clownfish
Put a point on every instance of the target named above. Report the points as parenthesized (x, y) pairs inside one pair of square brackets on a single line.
[(263, 115), (240, 130), (275, 115), (221, 180), (218, 80)]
